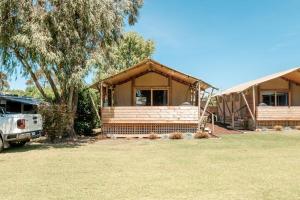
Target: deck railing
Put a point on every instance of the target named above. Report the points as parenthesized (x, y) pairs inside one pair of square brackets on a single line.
[(150, 114), (278, 113)]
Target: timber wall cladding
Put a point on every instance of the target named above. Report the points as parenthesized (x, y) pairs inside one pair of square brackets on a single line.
[(153, 114), (266, 113)]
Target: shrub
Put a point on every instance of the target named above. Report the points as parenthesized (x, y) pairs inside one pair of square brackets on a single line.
[(201, 135), (86, 116), (55, 120), (278, 128), (176, 135), (153, 136)]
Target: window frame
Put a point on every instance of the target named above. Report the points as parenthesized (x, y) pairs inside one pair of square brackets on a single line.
[(262, 92), (152, 89)]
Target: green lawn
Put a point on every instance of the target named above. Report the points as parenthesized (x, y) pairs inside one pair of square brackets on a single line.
[(244, 166)]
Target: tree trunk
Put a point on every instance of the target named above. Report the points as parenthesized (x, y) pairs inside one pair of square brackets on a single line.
[(72, 109)]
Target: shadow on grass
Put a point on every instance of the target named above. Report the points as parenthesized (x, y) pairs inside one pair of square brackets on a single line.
[(43, 145)]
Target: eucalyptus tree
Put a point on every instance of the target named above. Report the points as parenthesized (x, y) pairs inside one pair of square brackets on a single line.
[(130, 50), (61, 38)]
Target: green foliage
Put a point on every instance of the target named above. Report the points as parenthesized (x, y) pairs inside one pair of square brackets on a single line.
[(55, 121), (32, 91), (16, 92), (130, 50), (58, 42), (86, 117)]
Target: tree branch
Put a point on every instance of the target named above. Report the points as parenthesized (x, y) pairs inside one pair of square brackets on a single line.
[(32, 74), (51, 82)]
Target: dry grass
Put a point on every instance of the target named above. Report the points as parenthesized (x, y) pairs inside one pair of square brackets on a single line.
[(201, 135), (176, 135), (153, 136), (278, 128), (239, 166)]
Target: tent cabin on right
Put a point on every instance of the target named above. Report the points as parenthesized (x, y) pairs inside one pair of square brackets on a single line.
[(267, 102)]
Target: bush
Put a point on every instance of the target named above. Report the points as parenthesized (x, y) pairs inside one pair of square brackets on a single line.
[(201, 135), (55, 120), (278, 128), (86, 116), (153, 136), (176, 136)]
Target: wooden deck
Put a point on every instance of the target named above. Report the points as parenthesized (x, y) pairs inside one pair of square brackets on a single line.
[(146, 119)]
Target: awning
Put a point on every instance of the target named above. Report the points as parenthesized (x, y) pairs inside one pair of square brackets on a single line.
[(291, 74), (151, 65)]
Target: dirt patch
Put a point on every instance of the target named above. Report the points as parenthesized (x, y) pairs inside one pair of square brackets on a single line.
[(221, 129)]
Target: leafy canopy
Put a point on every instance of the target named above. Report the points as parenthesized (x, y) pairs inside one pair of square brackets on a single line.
[(130, 50), (61, 38)]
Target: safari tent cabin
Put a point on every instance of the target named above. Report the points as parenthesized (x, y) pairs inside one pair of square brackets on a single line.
[(262, 103), (150, 97)]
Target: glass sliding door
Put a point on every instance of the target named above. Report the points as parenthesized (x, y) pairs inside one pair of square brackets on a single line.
[(273, 98), (282, 98), (143, 97), (151, 97), (160, 97)]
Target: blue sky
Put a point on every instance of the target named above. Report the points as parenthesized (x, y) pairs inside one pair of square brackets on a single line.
[(224, 42)]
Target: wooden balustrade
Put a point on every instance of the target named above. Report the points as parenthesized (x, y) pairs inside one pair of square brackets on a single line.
[(278, 113), (150, 114)]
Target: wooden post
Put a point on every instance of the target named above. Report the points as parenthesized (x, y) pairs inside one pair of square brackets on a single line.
[(254, 104), (232, 111), (199, 106), (232, 120), (132, 91), (290, 94), (112, 96), (170, 91), (213, 122), (106, 95), (224, 112), (95, 107), (206, 105), (249, 109), (254, 100), (101, 95)]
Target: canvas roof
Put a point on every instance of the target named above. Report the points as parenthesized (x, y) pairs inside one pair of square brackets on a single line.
[(150, 65), (291, 74)]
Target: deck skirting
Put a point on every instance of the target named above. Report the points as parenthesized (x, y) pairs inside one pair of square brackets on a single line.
[(146, 128)]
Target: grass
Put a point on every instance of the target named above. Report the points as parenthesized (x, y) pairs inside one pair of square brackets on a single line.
[(244, 166)]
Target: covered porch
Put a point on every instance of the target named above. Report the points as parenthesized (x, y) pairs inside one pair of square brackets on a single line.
[(150, 97), (262, 103)]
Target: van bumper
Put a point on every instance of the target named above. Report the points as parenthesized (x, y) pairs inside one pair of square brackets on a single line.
[(15, 137)]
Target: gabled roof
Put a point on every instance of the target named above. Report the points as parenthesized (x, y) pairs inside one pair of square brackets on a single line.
[(291, 74), (149, 65)]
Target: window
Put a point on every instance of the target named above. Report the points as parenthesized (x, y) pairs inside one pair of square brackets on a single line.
[(271, 98), (143, 97), (151, 97), (160, 97), (282, 99), (268, 98)]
